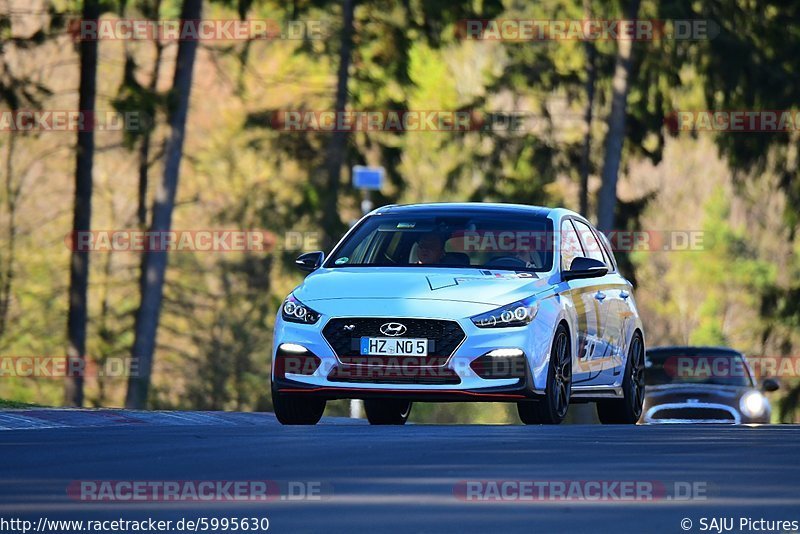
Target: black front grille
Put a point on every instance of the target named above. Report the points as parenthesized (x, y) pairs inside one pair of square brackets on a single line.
[(700, 412), (393, 375), (443, 338)]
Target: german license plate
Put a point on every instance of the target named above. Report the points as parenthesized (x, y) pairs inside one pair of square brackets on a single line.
[(393, 346)]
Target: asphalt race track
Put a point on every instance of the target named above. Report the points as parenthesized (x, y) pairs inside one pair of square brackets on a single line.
[(350, 477)]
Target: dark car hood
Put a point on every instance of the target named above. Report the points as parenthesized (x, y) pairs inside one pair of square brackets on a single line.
[(699, 392)]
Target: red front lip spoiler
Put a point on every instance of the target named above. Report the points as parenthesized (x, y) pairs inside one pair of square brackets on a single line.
[(323, 389)]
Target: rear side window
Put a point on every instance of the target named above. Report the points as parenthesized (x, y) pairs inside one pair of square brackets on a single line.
[(606, 248), (590, 244), (570, 244)]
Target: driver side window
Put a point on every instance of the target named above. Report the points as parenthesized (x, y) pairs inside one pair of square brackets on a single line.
[(570, 244)]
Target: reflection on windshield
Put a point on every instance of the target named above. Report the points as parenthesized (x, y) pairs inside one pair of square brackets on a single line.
[(728, 369), (490, 241)]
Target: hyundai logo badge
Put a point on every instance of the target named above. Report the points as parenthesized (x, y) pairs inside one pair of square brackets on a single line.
[(393, 329)]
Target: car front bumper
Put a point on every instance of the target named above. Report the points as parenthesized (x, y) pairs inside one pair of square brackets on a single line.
[(465, 384)]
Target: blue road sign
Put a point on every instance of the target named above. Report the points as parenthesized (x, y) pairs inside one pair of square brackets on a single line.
[(368, 177)]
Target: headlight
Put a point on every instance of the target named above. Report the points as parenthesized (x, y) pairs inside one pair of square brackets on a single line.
[(516, 314), (295, 311), (753, 404)]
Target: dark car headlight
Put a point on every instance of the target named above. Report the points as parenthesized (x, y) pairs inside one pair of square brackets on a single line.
[(517, 313), (295, 311)]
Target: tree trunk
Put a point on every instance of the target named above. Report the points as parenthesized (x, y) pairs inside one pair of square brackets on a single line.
[(144, 147), (154, 262), (332, 223), (591, 77), (82, 217), (12, 197), (615, 137)]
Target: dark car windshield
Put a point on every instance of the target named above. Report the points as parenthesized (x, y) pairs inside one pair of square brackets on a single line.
[(479, 240), (681, 367)]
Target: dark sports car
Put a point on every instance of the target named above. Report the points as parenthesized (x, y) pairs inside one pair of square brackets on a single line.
[(703, 385)]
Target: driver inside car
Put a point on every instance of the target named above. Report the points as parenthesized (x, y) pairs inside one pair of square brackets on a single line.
[(530, 257), (430, 249)]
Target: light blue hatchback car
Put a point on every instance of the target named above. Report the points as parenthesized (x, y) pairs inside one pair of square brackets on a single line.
[(461, 302)]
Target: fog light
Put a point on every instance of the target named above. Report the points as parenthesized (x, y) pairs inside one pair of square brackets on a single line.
[(293, 348), (505, 353), (753, 404), (500, 363), (295, 359)]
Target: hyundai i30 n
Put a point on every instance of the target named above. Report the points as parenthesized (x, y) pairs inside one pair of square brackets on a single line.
[(461, 302)]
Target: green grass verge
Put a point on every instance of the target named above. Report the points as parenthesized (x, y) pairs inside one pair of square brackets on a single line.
[(6, 404)]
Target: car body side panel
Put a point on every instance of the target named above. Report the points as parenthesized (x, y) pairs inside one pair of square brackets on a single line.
[(553, 309), (587, 331)]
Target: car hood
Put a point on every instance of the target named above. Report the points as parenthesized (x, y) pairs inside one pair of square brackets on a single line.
[(700, 393), (478, 286)]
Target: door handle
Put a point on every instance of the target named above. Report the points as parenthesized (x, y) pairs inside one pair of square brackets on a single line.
[(600, 296), (624, 294)]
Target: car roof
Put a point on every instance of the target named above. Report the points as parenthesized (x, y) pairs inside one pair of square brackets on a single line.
[(473, 207)]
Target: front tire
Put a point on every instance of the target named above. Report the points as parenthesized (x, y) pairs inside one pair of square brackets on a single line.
[(297, 409), (387, 411), (552, 409), (627, 410)]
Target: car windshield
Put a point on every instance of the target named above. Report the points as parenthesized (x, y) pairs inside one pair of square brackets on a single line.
[(483, 241), (714, 368)]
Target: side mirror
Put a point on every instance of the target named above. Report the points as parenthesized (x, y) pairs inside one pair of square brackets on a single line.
[(770, 384), (585, 268), (310, 261)]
